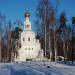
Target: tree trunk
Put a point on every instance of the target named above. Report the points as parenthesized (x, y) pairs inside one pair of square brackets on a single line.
[(64, 51), (55, 47)]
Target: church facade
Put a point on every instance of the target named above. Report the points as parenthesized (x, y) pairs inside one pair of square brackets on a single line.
[(30, 46)]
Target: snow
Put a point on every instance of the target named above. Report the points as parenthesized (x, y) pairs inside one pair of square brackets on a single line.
[(36, 68)]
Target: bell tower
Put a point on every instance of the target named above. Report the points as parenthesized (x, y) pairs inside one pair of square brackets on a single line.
[(27, 23)]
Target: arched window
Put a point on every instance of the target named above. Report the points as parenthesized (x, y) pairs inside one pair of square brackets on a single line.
[(27, 26), (29, 39), (32, 48), (29, 48), (23, 39), (25, 48)]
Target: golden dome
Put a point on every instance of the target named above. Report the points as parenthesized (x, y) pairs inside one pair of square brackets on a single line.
[(27, 14)]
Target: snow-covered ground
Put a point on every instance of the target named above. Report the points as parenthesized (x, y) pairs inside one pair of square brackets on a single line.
[(36, 68)]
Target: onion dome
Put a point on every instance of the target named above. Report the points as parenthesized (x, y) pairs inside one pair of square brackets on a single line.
[(27, 14)]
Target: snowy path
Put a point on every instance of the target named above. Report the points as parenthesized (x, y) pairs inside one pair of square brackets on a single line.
[(52, 70), (34, 68)]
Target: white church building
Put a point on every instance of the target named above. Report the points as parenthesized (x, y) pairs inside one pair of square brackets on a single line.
[(30, 46)]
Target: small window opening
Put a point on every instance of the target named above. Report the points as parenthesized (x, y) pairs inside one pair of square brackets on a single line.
[(25, 48), (32, 48), (29, 39), (29, 48), (23, 39)]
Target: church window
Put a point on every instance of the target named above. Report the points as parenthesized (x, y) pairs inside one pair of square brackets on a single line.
[(29, 48), (33, 39), (27, 26), (29, 39), (23, 39), (25, 48), (19, 45)]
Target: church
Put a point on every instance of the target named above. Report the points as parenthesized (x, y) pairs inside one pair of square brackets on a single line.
[(30, 46)]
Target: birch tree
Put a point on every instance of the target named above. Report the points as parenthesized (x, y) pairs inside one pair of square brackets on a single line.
[(2, 22), (45, 15)]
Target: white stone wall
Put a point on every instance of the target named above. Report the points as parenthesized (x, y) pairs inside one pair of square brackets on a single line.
[(30, 46), (27, 22), (29, 49)]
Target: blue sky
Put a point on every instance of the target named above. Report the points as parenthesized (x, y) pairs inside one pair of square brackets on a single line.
[(15, 9)]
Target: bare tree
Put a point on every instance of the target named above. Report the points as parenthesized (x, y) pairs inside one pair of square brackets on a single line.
[(65, 34), (46, 17), (2, 21), (73, 38)]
